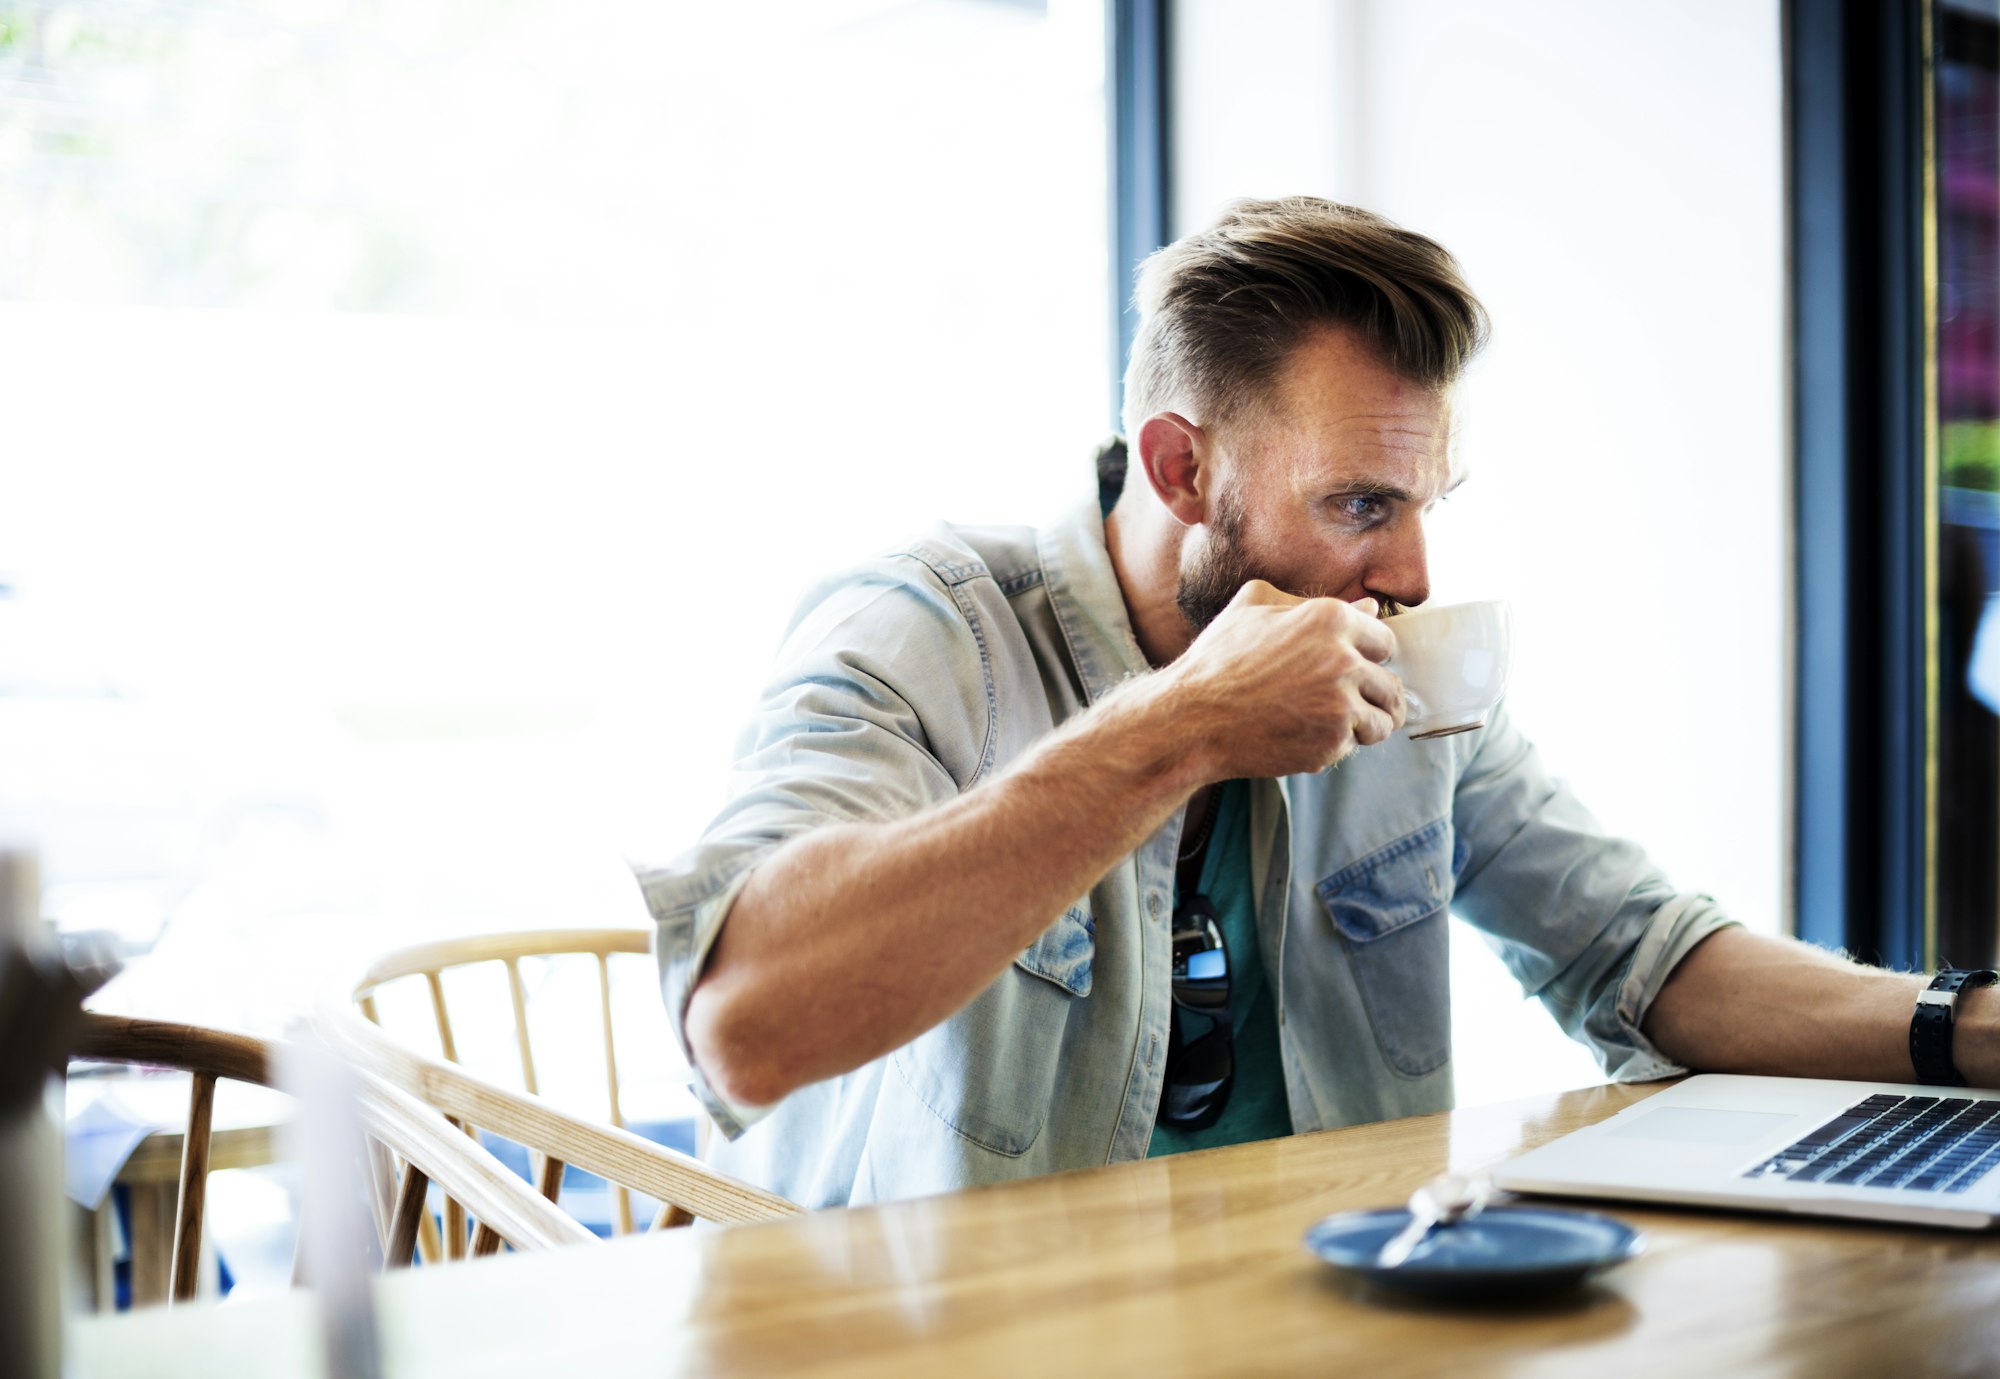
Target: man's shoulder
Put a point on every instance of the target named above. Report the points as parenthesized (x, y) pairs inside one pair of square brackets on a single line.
[(1010, 556), (935, 578)]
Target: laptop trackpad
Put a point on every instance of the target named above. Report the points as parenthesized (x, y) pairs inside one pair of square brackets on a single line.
[(1692, 1125)]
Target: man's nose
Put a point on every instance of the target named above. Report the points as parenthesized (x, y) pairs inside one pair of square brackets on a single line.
[(1401, 569)]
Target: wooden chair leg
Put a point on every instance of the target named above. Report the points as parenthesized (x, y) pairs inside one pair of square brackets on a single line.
[(670, 1216), (454, 1210), (552, 1177), (610, 1043), (454, 1229), (486, 1240), (520, 998), (185, 1277), (443, 1017), (411, 1210), (430, 1245)]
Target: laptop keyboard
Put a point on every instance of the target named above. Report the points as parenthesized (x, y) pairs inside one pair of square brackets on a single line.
[(1917, 1143)]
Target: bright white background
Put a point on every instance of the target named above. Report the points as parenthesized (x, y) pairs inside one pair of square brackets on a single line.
[(419, 419), (1611, 178)]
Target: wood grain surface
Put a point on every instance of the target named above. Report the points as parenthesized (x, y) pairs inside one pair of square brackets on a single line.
[(1189, 1265)]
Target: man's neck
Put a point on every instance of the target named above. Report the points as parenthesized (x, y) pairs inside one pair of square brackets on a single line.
[(1145, 555)]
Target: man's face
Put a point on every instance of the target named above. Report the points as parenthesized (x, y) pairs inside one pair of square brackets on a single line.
[(1322, 490)]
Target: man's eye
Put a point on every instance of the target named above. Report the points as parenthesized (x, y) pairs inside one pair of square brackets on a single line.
[(1360, 507)]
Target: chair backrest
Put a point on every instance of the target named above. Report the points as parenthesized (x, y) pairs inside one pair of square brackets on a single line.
[(687, 1188), (430, 1148), (410, 1141)]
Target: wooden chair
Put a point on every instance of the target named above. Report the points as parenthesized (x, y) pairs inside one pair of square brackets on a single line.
[(687, 1188), (416, 1143)]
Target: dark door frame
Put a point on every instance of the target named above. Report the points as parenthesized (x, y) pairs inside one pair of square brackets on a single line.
[(1858, 76)]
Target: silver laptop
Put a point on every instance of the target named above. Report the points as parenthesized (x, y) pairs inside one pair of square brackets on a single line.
[(1881, 1151)]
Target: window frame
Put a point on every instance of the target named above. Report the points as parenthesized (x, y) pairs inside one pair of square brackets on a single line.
[(1863, 247), (1138, 86)]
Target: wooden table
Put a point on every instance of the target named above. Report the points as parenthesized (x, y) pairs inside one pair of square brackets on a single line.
[(1180, 1266)]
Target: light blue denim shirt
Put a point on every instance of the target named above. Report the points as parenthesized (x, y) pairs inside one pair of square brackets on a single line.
[(911, 679)]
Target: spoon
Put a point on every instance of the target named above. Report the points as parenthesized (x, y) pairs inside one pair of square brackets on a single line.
[(1443, 1201)]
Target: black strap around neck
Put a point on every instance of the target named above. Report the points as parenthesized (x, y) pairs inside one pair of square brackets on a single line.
[(1187, 870)]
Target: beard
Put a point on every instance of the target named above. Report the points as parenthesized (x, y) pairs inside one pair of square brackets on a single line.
[(1220, 568), (1224, 566)]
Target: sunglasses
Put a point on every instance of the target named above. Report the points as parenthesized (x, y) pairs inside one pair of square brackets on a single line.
[(1200, 1066)]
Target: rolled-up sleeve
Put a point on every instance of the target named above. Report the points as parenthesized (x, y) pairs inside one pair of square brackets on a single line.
[(1584, 921), (689, 903), (878, 707)]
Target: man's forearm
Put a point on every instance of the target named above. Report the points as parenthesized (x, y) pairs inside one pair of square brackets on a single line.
[(853, 939), (1743, 1002)]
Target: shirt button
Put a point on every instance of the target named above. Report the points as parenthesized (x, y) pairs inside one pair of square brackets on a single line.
[(1154, 905)]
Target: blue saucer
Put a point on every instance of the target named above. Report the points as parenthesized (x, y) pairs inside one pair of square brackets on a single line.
[(1502, 1252)]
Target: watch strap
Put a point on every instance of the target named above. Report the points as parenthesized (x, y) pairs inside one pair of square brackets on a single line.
[(1932, 1022)]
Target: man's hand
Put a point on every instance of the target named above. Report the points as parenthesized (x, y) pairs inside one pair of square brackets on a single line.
[(853, 939), (1278, 685)]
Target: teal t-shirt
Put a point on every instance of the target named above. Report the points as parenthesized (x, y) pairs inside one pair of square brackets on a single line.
[(1257, 1108)]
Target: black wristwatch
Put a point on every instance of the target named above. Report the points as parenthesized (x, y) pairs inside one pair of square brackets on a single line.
[(1930, 1027)]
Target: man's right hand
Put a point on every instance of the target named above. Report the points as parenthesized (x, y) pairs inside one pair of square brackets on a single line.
[(854, 938), (1278, 685)]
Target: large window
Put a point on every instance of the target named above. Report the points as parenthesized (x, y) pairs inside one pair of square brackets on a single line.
[(1895, 243), (421, 416), (1967, 119)]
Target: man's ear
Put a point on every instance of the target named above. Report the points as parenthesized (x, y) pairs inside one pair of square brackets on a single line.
[(1175, 456)]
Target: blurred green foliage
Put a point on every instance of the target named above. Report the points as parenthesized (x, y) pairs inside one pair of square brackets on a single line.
[(1970, 452), (44, 31)]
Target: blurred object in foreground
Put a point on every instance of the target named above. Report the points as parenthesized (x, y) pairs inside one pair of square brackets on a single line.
[(334, 1235), (40, 1001)]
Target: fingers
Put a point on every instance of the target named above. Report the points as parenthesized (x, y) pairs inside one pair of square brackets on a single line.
[(1383, 689), (1371, 636), (1366, 726), (1298, 682), (1373, 725)]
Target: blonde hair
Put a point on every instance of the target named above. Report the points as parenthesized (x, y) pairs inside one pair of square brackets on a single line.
[(1221, 310)]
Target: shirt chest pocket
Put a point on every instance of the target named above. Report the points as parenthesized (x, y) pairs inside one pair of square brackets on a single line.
[(990, 1071), (1390, 910)]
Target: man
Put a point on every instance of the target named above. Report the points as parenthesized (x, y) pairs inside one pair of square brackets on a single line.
[(1056, 848)]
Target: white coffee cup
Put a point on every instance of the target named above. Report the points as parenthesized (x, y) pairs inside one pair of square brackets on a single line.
[(1453, 661)]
